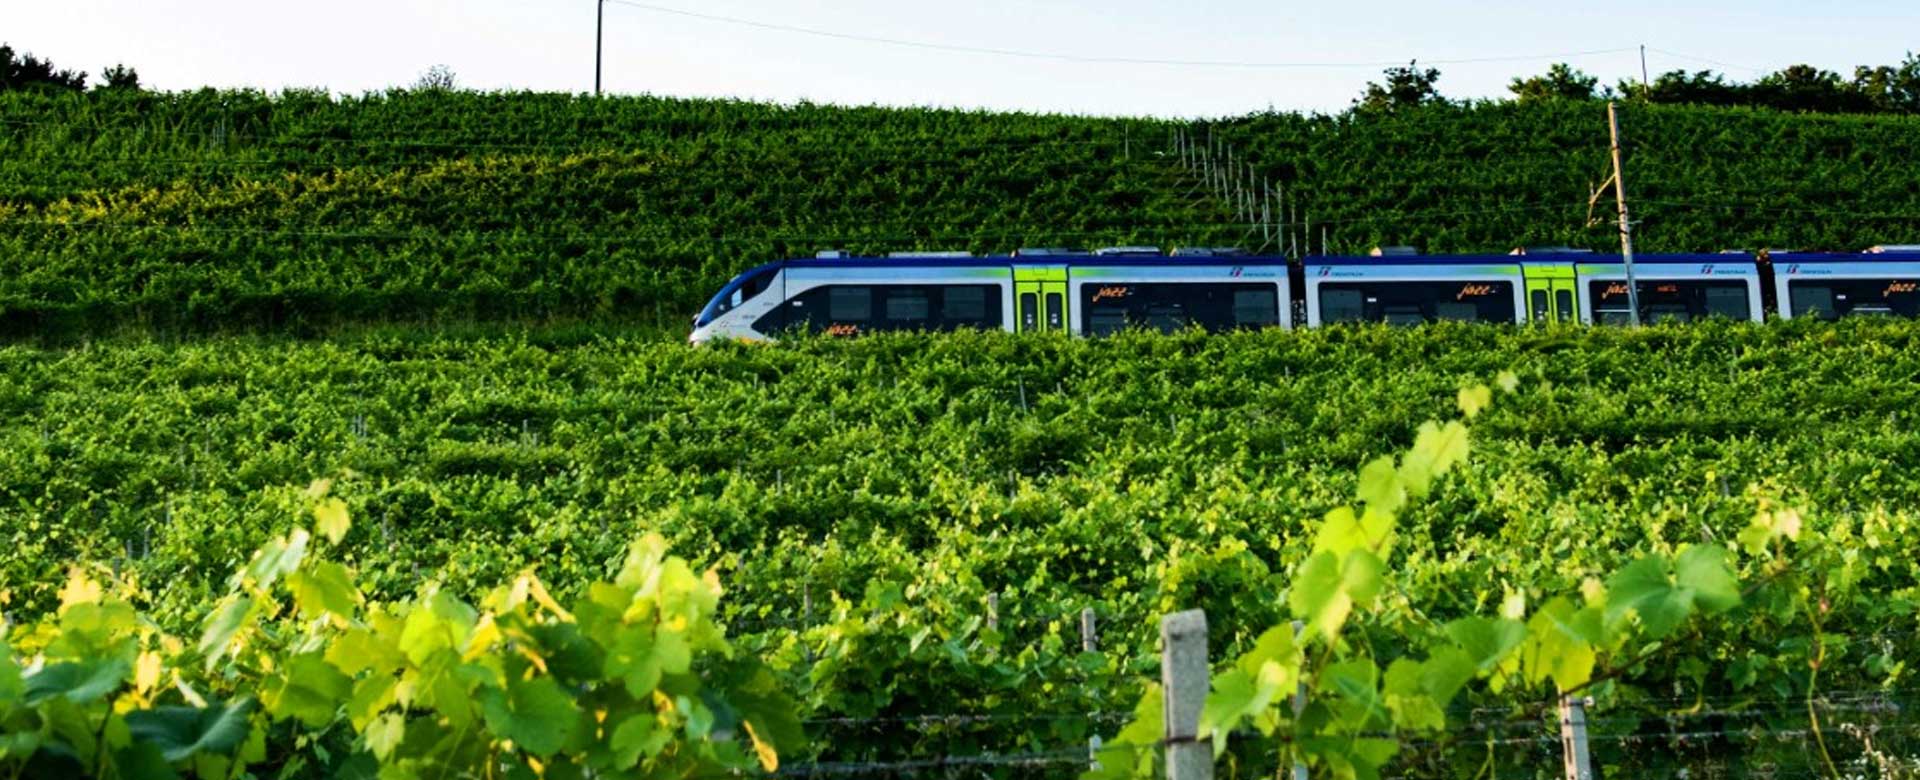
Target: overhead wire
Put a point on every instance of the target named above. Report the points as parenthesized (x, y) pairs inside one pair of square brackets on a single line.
[(1088, 59)]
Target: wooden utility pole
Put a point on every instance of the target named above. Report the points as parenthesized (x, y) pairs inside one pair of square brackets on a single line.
[(1626, 225), (599, 41), (1646, 88)]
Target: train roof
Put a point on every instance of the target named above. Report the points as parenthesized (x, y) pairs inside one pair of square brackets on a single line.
[(1901, 256), (989, 261), (1580, 258)]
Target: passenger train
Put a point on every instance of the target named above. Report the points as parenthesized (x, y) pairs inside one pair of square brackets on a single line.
[(1107, 290)]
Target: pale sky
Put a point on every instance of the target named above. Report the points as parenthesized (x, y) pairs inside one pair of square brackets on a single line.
[(359, 45)]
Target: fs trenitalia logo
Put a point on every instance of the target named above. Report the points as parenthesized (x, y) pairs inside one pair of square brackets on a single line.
[(1326, 270), (1237, 271), (1793, 269), (1706, 270)]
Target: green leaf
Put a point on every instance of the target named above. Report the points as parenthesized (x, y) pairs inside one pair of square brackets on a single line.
[(324, 587), (78, 682), (384, 735), (1473, 399), (1507, 381), (1487, 641), (183, 732), (12, 686), (277, 558), (1327, 588), (1703, 570), (330, 519), (1341, 532), (234, 612), (138, 761), (1237, 696), (1560, 644), (536, 714), (636, 737), (1380, 486), (1663, 598), (306, 688)]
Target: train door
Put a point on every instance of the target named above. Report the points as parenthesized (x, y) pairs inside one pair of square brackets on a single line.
[(1552, 295), (1040, 297)]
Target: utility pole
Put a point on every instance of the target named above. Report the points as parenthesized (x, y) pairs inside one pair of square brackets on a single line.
[(1646, 89), (1626, 225), (599, 42)]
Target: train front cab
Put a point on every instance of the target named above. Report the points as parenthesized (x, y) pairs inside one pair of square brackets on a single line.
[(1415, 290), (1831, 286), (1678, 288)]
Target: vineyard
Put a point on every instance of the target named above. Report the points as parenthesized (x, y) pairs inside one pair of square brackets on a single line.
[(905, 531), (356, 437), (296, 212)]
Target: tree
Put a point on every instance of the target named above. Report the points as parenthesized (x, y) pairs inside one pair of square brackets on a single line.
[(1807, 88), (438, 78), (120, 77), (25, 71), (1405, 88), (1895, 89), (1560, 82), (1704, 87)]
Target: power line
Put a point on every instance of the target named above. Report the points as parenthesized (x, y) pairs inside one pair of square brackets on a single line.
[(1705, 60), (1061, 57)]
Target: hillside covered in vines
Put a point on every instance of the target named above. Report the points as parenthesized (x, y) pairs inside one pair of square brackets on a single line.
[(215, 211)]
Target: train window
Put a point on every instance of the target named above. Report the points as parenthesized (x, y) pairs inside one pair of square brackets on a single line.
[(1170, 306), (1678, 300), (1540, 306), (849, 303), (1056, 318), (968, 304), (907, 304), (1410, 303), (1029, 311), (850, 308), (738, 291), (1341, 305), (1256, 308), (1834, 298), (1563, 304)]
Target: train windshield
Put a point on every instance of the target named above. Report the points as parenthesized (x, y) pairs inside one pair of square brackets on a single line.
[(1831, 299), (1679, 300), (743, 288), (1413, 303)]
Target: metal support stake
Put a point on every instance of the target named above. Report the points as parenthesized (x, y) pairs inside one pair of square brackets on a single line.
[(599, 41), (1299, 705), (1573, 737), (1089, 643), (1183, 676)]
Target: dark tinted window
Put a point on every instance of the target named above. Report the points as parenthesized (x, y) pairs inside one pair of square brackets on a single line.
[(1681, 300), (850, 309), (968, 304), (1055, 317), (907, 304), (1170, 306), (1539, 305), (1029, 311), (1411, 303), (1836, 298)]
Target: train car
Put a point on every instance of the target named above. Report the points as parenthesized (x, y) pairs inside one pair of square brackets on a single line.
[(1086, 293), (1409, 290), (1881, 282), (1672, 287)]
